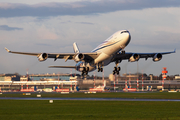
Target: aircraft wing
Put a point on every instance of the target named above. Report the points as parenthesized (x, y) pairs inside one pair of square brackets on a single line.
[(62, 66), (66, 56), (136, 56)]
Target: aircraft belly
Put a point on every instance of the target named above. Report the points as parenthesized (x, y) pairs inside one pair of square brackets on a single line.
[(80, 67)]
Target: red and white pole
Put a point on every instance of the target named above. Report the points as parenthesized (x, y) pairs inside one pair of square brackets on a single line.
[(142, 83), (27, 80), (114, 82), (137, 84), (58, 80), (75, 80), (126, 85), (71, 80), (129, 81), (164, 72), (94, 79), (103, 77), (9, 88), (21, 86)]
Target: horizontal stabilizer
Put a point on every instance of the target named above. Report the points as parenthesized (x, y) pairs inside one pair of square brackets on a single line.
[(7, 50), (62, 66)]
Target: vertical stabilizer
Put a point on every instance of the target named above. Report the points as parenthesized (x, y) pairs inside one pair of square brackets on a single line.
[(75, 47)]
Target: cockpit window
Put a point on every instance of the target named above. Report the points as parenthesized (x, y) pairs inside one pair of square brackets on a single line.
[(124, 32)]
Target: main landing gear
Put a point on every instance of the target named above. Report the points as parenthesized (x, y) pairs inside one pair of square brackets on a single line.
[(85, 71), (116, 69), (100, 69)]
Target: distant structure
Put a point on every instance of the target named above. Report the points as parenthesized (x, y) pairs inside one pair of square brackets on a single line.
[(52, 77), (10, 77), (36, 77), (164, 72), (131, 76)]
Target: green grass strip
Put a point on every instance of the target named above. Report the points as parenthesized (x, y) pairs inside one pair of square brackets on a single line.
[(96, 110)]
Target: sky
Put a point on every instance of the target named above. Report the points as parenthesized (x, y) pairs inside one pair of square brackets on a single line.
[(52, 26)]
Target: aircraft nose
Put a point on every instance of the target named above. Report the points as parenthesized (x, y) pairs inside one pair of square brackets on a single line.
[(127, 38)]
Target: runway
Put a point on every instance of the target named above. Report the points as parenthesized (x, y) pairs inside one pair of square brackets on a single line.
[(91, 99)]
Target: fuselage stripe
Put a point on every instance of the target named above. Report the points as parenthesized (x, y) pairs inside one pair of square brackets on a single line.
[(105, 46)]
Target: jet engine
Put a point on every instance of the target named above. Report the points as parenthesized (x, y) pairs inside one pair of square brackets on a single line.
[(43, 57), (157, 57), (134, 57), (79, 57)]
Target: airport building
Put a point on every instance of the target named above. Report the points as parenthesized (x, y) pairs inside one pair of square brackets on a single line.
[(10, 77), (36, 77), (15, 82)]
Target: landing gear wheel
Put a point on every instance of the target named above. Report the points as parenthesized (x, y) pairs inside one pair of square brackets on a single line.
[(82, 73), (87, 69), (84, 69), (115, 68), (118, 69), (99, 70), (123, 52)]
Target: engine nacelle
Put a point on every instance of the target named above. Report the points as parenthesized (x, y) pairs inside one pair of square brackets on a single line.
[(43, 57), (157, 57), (79, 57), (134, 57)]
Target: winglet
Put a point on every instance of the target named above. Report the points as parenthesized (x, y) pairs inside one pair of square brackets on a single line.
[(7, 50), (174, 50)]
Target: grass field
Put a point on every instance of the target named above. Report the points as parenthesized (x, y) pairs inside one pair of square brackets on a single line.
[(72, 109), (121, 110)]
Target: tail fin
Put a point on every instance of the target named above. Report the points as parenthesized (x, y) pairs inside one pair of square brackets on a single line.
[(75, 47)]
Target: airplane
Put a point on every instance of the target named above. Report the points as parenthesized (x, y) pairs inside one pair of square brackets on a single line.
[(111, 50)]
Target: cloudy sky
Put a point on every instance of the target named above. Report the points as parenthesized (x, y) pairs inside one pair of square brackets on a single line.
[(53, 26)]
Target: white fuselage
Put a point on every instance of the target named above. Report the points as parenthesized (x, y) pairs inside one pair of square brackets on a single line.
[(107, 49)]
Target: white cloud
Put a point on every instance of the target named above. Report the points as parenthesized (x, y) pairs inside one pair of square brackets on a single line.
[(46, 34), (79, 7)]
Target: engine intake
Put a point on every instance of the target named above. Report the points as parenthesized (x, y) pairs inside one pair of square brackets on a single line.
[(157, 57), (134, 57), (79, 57), (43, 57)]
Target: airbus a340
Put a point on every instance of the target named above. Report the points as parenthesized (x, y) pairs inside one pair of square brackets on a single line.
[(111, 50)]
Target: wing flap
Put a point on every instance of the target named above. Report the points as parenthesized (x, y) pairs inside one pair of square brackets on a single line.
[(62, 66), (127, 55)]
